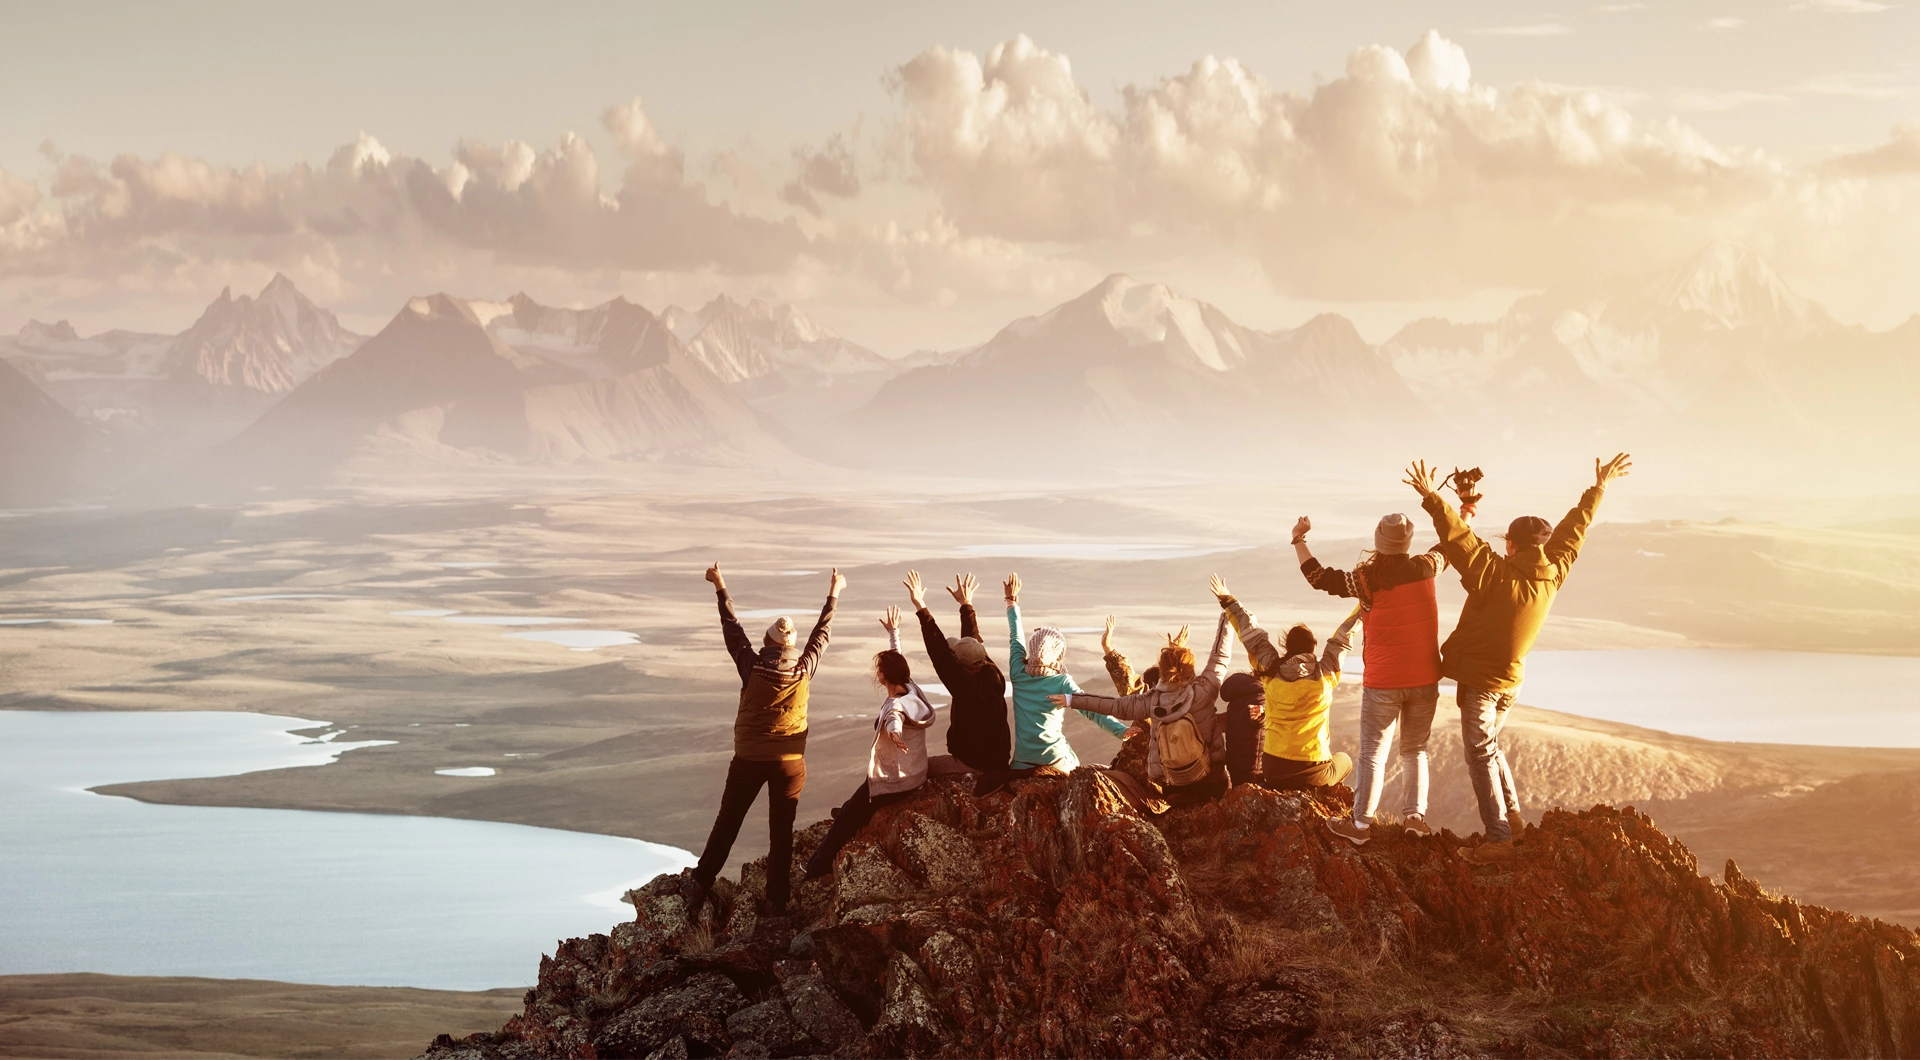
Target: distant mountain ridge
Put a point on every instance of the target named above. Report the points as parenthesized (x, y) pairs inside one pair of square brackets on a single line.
[(269, 344), (40, 441)]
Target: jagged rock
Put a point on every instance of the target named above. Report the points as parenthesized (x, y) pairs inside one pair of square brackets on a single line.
[(695, 1011), (769, 1024), (1053, 919), (675, 1048), (820, 1014)]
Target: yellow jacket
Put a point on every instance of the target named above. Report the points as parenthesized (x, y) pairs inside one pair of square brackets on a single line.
[(1299, 688)]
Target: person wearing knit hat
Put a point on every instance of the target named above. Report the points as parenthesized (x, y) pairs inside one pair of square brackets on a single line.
[(1400, 680), (978, 737), (1508, 597), (769, 743), (1037, 665)]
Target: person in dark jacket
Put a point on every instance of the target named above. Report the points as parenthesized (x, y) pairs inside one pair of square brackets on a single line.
[(1400, 684), (1246, 719), (769, 743), (978, 735), (1508, 597)]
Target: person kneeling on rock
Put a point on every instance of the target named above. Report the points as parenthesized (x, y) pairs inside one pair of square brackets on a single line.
[(1186, 741), (897, 760), (1298, 752)]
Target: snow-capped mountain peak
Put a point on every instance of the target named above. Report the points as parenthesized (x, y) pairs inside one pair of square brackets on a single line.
[(267, 344), (1734, 287), (35, 333), (1144, 313)]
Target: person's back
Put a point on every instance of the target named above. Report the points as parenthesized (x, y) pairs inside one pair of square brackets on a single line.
[(1508, 598), (1298, 750), (1180, 695), (978, 735), (1039, 737)]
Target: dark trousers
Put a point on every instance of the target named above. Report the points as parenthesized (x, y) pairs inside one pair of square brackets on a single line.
[(852, 816), (783, 780), (1244, 735)]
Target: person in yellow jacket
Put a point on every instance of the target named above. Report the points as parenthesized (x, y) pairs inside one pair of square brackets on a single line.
[(1299, 686)]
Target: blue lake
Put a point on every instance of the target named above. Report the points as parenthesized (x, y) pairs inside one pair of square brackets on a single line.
[(102, 884)]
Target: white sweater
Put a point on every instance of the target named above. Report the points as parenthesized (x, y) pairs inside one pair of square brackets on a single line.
[(889, 769)]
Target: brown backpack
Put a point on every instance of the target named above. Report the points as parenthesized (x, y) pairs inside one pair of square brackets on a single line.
[(1184, 757)]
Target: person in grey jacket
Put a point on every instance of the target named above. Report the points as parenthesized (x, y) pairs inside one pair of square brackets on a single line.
[(1180, 694), (897, 759)]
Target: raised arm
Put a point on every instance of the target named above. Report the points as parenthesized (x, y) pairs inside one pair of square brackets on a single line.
[(1338, 644), (890, 621), (1222, 653), (817, 640), (1017, 652), (1563, 547), (951, 673), (1259, 646), (1459, 545), (962, 592), (1125, 681), (739, 648)]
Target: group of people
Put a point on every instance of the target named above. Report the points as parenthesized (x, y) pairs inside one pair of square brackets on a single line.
[(1274, 729)]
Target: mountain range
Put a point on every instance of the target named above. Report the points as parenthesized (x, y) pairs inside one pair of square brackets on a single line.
[(1716, 362)]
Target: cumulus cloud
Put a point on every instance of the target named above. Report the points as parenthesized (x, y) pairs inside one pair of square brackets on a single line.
[(1401, 176), (533, 206), (1900, 155)]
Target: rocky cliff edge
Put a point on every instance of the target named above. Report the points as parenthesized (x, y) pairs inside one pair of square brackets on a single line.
[(1052, 919)]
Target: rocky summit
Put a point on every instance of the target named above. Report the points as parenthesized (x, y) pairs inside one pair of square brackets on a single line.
[(1053, 919)]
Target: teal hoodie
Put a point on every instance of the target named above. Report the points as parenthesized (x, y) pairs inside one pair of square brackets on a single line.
[(1037, 738)]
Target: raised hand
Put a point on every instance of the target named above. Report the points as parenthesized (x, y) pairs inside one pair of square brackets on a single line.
[(1219, 587), (839, 583), (1420, 477), (1011, 588), (962, 589), (1059, 700), (915, 590), (1618, 467), (713, 575), (1106, 637), (1301, 526), (890, 621)]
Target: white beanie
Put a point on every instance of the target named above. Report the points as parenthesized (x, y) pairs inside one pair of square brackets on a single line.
[(780, 634), (1394, 534)]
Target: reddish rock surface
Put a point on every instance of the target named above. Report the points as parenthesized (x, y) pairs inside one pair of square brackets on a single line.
[(1051, 919)]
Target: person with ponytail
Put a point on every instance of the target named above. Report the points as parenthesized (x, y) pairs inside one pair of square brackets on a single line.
[(1298, 752), (897, 758)]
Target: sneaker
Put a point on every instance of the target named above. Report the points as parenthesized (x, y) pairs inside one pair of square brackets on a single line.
[(1347, 830), (1497, 852), (1417, 824)]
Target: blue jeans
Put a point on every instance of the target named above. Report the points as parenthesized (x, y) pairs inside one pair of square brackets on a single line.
[(1482, 716), (1382, 711)]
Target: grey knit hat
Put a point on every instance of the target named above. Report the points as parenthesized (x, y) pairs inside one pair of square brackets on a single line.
[(970, 652), (780, 634), (1394, 534)]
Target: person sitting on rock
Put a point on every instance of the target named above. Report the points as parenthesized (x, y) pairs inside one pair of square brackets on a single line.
[(1508, 597), (1038, 666), (769, 742), (978, 738), (1299, 687), (1400, 685), (1186, 742), (897, 758), (1244, 719)]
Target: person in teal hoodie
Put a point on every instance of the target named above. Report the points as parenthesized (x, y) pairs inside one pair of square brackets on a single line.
[(1038, 667)]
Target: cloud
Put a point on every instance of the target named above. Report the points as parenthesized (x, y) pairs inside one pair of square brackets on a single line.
[(1723, 24), (1715, 102), (1900, 155), (826, 170), (1841, 7), (1541, 29), (550, 207), (1614, 8), (1859, 85), (1401, 177)]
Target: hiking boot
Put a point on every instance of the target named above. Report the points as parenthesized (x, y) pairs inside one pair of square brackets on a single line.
[(694, 893), (1349, 831), (1497, 852), (1417, 824)]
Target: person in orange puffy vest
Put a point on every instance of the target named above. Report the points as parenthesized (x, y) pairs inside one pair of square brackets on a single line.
[(1400, 660)]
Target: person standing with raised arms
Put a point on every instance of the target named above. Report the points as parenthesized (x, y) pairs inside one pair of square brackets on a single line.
[(1508, 597), (769, 742)]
